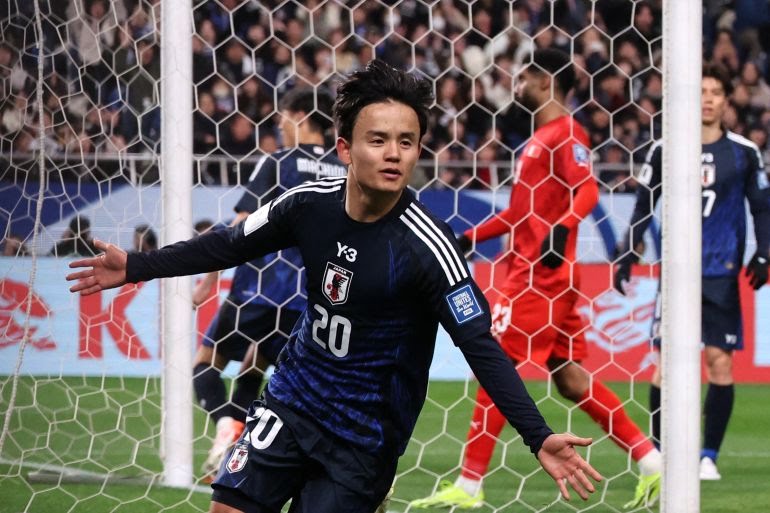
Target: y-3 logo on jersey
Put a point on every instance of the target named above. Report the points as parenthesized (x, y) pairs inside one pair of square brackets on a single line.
[(348, 252)]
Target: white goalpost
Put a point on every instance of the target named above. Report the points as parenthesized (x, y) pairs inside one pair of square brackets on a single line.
[(681, 269), (176, 167)]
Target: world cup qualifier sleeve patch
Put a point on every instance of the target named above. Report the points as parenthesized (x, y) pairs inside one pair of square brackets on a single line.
[(463, 304), (581, 155)]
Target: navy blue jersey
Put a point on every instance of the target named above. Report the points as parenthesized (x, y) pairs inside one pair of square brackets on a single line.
[(277, 279), (731, 172), (357, 362)]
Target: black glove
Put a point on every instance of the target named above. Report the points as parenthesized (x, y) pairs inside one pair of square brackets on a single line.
[(756, 270), (552, 248), (465, 244), (623, 260), (622, 274)]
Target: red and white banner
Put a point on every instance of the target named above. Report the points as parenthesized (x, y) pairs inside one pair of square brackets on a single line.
[(117, 333)]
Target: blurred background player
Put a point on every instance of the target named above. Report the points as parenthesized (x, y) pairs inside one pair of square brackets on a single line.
[(13, 246), (76, 239), (267, 295), (145, 238), (535, 317), (731, 170)]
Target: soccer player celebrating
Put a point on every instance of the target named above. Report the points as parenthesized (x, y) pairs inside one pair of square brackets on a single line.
[(731, 171), (382, 273), (536, 315), (267, 294)]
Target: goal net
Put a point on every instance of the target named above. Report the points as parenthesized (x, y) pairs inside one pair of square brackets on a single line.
[(80, 143)]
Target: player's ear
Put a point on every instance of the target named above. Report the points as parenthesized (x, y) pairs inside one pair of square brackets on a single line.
[(343, 150)]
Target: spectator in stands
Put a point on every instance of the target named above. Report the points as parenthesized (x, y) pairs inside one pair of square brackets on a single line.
[(139, 69), (268, 143), (13, 246), (144, 238), (748, 114), (76, 239), (224, 98), (94, 36), (724, 52), (653, 86), (13, 77), (203, 57), (205, 120), (645, 23), (234, 63), (478, 115), (241, 138), (758, 135), (759, 90), (612, 93), (594, 48), (344, 55), (253, 97)]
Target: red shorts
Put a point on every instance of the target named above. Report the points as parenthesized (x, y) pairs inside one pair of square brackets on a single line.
[(534, 328)]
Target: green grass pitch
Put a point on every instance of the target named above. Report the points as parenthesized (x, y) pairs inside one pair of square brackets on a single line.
[(113, 425)]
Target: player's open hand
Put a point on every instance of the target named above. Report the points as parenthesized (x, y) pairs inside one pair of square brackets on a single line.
[(106, 271), (562, 462)]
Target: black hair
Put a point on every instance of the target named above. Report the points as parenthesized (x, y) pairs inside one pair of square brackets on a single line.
[(316, 103), (147, 234), (79, 224), (379, 82), (719, 73), (557, 64), (202, 226)]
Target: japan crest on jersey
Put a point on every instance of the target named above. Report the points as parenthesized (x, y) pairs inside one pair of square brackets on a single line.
[(238, 458), (336, 283), (708, 175)]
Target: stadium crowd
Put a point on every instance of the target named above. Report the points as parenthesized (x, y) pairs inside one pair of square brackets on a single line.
[(101, 90)]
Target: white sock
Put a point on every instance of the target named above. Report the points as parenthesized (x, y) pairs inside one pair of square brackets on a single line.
[(471, 486), (651, 463), (224, 423)]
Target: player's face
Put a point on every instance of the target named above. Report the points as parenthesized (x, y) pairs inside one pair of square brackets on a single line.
[(713, 101), (289, 127), (384, 147), (528, 89)]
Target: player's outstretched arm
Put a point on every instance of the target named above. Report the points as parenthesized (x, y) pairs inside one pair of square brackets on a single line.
[(105, 271), (559, 458)]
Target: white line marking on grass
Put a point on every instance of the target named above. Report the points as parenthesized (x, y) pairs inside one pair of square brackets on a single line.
[(48, 473)]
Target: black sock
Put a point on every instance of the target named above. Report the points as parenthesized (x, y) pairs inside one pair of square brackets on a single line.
[(655, 413), (210, 390), (246, 391), (717, 409)]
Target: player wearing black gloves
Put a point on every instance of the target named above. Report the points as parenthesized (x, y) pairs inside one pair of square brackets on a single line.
[(732, 172)]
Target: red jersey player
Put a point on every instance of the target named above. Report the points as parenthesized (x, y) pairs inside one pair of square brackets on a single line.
[(535, 314)]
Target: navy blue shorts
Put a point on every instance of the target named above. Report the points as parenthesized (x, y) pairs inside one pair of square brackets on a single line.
[(721, 321), (235, 328), (283, 456)]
